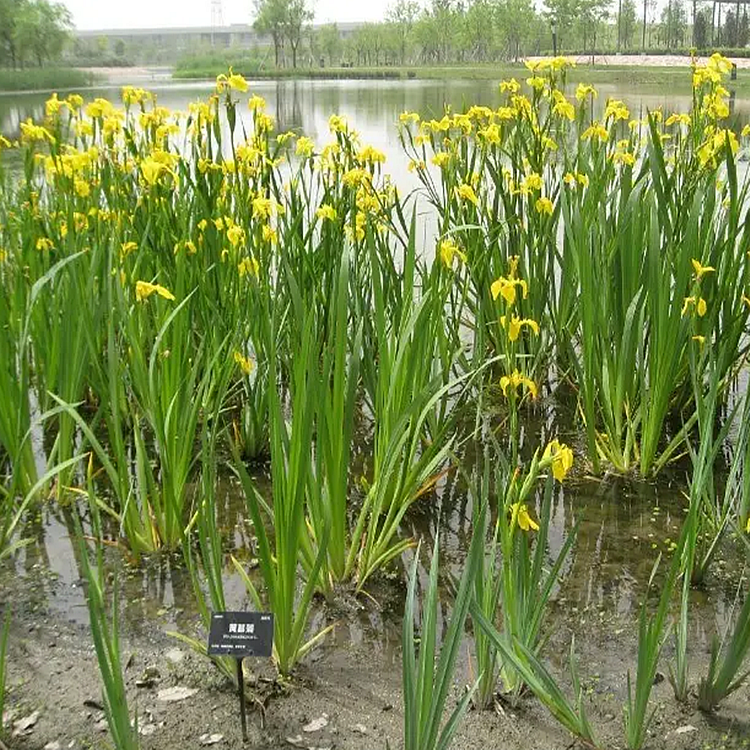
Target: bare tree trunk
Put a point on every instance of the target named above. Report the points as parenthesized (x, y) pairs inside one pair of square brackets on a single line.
[(693, 39), (737, 25), (713, 24), (669, 24)]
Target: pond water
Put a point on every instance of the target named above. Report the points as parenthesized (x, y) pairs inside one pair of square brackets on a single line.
[(623, 524), (372, 107)]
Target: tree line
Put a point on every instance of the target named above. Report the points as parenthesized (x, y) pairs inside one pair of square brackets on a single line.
[(466, 31), (32, 32)]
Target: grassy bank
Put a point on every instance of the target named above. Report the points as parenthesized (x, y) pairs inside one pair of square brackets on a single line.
[(641, 76), (36, 79)]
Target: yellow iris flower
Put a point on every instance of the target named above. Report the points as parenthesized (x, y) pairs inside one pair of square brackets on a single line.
[(520, 515), (700, 270), (144, 289), (562, 458), (695, 303), (516, 379), (246, 365), (515, 324)]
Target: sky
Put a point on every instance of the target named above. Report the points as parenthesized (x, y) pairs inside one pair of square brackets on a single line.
[(123, 14)]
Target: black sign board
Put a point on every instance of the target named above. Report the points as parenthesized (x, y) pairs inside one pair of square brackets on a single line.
[(241, 634)]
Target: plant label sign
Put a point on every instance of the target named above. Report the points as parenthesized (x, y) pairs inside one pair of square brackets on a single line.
[(241, 634)]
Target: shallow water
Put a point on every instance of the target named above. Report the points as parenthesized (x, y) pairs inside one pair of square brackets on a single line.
[(623, 524)]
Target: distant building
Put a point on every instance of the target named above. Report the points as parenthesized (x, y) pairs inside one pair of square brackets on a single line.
[(172, 43)]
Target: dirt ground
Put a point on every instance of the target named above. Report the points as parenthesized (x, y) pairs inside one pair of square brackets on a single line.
[(347, 695)]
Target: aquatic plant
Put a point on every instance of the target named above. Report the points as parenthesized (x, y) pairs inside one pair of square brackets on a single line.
[(280, 551), (209, 560), (428, 673), (539, 680), (106, 636), (651, 638), (725, 673), (517, 582)]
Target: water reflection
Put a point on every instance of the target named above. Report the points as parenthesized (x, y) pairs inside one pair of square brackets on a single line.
[(372, 107)]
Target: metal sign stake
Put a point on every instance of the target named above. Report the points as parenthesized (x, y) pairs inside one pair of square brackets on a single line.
[(241, 689)]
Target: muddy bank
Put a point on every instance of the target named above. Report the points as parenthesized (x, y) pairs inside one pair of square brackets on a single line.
[(346, 695)]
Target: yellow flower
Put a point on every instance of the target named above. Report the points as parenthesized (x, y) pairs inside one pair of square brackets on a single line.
[(261, 207), (305, 147), (151, 169), (74, 101), (256, 103), (616, 109), (536, 82), (449, 251), (337, 124), (126, 248), (490, 134), (236, 235), (466, 192), (232, 81), (699, 304), (700, 339), (248, 266), (507, 288), (595, 130), (562, 458), (246, 365), (701, 271), (746, 300), (52, 105), (515, 324), (144, 289), (369, 155), (44, 243), (82, 188), (747, 528), (512, 86), (326, 212), (681, 119), (516, 379), (584, 90), (441, 158), (562, 106), (544, 206), (407, 117), (520, 515), (623, 157), (532, 181), (269, 234)]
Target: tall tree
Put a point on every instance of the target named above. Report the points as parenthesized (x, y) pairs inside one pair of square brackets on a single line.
[(36, 30), (626, 23), (564, 14), (403, 15), (271, 19), (701, 28), (298, 16), (329, 42)]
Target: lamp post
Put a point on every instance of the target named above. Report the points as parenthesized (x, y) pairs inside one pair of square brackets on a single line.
[(554, 36)]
